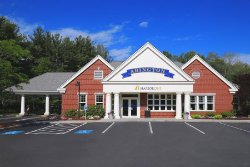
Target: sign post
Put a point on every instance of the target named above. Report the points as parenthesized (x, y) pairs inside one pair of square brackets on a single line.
[(85, 110)]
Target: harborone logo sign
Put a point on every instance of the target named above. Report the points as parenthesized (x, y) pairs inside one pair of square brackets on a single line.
[(147, 88), (163, 71)]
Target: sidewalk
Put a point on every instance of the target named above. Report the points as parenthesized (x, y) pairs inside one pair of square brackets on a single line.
[(152, 120)]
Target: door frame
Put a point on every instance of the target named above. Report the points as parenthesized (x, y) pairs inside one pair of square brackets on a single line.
[(129, 112)]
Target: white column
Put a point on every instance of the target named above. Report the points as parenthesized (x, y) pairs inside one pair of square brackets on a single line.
[(187, 104), (116, 106), (22, 106), (47, 105), (178, 106), (108, 105)]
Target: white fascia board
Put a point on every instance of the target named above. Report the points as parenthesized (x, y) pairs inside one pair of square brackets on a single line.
[(137, 53), (98, 57), (232, 89), (146, 83)]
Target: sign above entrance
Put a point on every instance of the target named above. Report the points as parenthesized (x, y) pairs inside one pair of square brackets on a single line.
[(148, 69)]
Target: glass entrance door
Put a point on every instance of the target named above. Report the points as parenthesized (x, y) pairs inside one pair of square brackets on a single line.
[(129, 107)]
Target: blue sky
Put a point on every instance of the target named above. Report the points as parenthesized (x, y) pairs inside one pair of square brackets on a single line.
[(177, 26)]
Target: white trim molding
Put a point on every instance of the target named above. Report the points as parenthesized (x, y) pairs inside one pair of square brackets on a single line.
[(232, 88), (98, 57), (138, 53)]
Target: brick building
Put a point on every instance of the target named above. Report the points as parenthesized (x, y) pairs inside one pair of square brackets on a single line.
[(147, 80)]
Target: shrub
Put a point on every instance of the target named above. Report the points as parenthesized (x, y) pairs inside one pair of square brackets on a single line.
[(218, 116), (71, 113), (210, 114), (95, 110), (228, 114), (196, 116)]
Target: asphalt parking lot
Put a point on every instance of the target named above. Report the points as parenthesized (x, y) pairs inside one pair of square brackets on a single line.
[(127, 144)]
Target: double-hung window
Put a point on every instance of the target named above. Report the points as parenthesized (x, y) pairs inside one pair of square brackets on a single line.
[(161, 102), (83, 100), (99, 99), (202, 103)]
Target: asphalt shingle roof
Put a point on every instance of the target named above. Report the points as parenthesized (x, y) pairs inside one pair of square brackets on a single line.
[(47, 82)]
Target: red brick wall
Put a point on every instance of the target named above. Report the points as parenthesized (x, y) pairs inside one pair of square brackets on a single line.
[(209, 83), (143, 105), (88, 85)]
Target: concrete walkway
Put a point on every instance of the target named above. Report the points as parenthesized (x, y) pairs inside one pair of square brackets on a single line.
[(153, 120)]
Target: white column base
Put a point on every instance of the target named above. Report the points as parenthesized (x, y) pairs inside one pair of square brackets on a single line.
[(108, 105), (46, 106), (178, 106), (22, 112), (117, 106)]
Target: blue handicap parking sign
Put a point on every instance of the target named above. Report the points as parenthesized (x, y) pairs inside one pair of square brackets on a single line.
[(15, 132), (82, 132)]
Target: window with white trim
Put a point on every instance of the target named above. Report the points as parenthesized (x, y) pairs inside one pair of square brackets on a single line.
[(98, 74), (83, 100), (202, 103), (161, 102), (99, 99)]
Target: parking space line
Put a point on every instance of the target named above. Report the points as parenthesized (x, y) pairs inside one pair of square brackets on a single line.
[(108, 128), (74, 128), (195, 128), (234, 127), (40, 129), (150, 128)]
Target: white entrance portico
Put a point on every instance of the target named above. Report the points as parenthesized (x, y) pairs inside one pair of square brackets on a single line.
[(148, 72)]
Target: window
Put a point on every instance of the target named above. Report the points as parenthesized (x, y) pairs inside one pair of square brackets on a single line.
[(99, 99), (202, 103), (196, 74), (210, 103), (83, 100), (161, 102), (98, 74)]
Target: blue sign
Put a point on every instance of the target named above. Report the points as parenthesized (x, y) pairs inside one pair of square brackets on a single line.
[(83, 132), (16, 132), (85, 107), (148, 69)]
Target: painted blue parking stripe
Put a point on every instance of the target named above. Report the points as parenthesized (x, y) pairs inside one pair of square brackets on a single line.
[(15, 132), (83, 132)]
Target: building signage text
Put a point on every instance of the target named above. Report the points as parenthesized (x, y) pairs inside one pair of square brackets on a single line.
[(147, 69)]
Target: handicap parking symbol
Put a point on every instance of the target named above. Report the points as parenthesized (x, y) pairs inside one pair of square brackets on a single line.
[(83, 132)]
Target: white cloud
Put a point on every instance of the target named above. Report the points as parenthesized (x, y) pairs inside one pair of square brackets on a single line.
[(144, 24), (244, 58), (120, 54), (25, 28), (105, 37)]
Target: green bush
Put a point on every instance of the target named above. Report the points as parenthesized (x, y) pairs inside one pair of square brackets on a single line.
[(210, 114), (228, 114), (71, 113), (95, 110), (196, 116), (218, 116)]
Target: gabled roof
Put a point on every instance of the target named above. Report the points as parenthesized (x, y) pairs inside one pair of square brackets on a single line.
[(232, 89), (46, 83), (98, 57), (116, 64), (141, 50)]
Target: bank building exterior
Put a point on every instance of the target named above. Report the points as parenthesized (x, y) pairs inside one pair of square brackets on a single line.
[(147, 80)]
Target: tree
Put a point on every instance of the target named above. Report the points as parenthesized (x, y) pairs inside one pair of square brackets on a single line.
[(243, 81)]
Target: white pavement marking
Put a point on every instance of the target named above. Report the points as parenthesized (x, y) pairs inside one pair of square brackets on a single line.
[(150, 128), (235, 127), (195, 128), (40, 129), (56, 129), (108, 128), (74, 128)]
